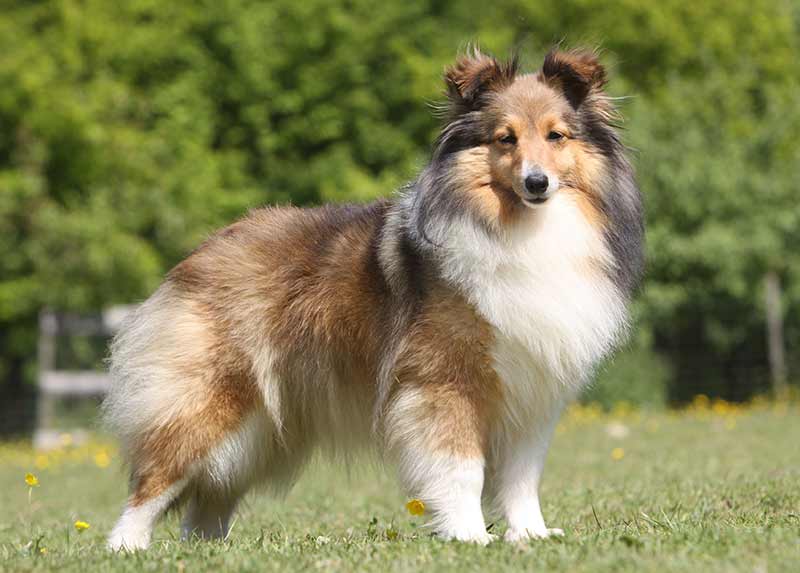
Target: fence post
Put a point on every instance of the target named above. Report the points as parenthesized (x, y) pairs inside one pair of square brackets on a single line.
[(45, 402), (54, 383), (775, 344)]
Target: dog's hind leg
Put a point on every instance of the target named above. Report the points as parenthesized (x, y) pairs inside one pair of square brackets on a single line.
[(208, 515), (142, 511), (245, 457)]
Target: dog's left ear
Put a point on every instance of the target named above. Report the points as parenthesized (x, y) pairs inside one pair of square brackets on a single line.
[(475, 75), (577, 73)]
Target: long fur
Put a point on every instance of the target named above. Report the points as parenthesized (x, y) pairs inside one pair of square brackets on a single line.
[(446, 327)]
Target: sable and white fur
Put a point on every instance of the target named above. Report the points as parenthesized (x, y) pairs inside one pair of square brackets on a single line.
[(447, 326)]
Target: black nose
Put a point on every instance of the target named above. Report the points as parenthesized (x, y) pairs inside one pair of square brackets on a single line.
[(536, 183)]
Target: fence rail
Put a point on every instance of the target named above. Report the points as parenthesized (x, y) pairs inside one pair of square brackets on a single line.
[(55, 384)]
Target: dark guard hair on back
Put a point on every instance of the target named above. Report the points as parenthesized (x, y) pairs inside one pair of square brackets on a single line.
[(471, 83)]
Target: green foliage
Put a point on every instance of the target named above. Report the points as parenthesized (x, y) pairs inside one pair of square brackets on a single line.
[(636, 375), (128, 131)]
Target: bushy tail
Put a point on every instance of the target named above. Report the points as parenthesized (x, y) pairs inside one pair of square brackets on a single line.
[(150, 365)]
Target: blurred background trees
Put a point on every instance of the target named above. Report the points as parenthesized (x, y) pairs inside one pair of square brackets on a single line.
[(129, 131)]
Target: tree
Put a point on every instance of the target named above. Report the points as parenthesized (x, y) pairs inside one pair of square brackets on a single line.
[(129, 131)]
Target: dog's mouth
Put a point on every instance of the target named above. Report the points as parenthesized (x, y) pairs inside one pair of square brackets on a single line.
[(535, 200)]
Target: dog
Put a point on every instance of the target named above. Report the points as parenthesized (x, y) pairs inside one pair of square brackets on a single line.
[(445, 327)]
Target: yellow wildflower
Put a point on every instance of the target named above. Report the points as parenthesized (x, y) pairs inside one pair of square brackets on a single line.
[(31, 480), (415, 507), (102, 459), (81, 526), (617, 454)]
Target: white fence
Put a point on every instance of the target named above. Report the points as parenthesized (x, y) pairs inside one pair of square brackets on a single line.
[(55, 384)]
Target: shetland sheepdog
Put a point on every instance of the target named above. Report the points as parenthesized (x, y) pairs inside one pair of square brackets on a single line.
[(446, 326)]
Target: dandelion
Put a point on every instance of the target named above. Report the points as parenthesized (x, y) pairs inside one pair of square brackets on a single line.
[(81, 526), (102, 459), (415, 507), (32, 482), (721, 407), (622, 409), (617, 454)]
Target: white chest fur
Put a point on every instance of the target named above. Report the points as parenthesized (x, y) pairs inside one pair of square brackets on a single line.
[(542, 288)]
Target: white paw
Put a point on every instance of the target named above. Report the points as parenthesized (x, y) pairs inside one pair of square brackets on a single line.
[(477, 537), (513, 535), (127, 541)]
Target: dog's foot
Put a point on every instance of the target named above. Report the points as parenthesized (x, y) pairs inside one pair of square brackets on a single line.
[(119, 541), (515, 535), (477, 539), (466, 536)]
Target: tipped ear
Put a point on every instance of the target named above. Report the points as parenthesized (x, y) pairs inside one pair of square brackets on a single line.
[(577, 73), (473, 76)]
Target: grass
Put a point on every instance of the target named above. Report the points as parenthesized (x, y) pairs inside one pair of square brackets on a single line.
[(710, 488)]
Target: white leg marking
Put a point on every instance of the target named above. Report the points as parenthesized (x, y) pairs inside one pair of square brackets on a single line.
[(449, 485), (518, 477), (135, 526), (451, 489)]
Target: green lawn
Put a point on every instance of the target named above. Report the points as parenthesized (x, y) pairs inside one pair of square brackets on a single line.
[(707, 489)]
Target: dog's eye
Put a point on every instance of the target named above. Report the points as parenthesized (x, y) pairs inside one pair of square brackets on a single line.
[(508, 139), (555, 136)]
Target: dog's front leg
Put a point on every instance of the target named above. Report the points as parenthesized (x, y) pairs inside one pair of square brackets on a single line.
[(438, 448), (450, 486), (517, 479)]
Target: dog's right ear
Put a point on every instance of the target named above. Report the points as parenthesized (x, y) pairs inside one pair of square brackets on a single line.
[(577, 73), (475, 75)]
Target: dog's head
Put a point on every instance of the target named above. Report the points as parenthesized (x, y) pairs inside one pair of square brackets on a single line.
[(535, 134)]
